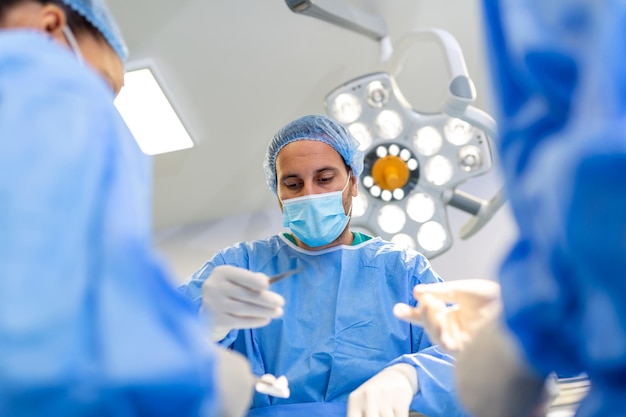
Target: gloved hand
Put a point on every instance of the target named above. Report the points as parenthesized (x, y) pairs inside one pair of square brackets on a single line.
[(239, 299), (387, 394), (452, 326)]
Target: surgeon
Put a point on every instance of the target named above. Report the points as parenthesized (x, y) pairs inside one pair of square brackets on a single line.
[(89, 322), (329, 327), (559, 76)]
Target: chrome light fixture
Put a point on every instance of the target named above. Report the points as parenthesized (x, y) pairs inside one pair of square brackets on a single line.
[(414, 162)]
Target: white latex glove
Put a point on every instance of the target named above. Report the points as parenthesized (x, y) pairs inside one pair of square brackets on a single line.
[(235, 382), (475, 301), (387, 394), (239, 299)]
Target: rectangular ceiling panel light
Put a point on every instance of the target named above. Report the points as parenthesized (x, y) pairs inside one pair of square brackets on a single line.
[(149, 114)]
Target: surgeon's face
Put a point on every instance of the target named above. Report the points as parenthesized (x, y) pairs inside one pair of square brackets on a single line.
[(308, 167), (51, 19)]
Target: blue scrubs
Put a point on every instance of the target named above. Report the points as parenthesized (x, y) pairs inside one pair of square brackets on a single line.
[(560, 78), (338, 329), (89, 322)]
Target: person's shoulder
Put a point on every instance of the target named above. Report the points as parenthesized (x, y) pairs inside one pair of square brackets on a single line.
[(271, 243), (385, 246)]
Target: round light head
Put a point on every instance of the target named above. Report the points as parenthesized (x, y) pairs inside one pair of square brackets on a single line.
[(458, 132), (346, 108), (389, 124), (362, 134), (420, 207), (438, 170), (377, 94), (432, 236), (470, 158), (391, 219), (427, 141)]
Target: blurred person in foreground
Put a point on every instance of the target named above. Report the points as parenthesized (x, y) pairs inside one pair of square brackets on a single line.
[(560, 80), (89, 322)]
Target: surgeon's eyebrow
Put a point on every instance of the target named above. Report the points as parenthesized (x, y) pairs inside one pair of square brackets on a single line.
[(316, 172)]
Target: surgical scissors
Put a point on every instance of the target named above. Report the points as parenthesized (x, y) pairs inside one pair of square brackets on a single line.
[(282, 275)]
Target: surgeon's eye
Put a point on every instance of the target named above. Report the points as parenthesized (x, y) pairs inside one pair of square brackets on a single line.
[(325, 180), (292, 184)]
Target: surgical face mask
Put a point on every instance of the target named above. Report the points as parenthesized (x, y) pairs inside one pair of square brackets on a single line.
[(71, 39), (316, 219)]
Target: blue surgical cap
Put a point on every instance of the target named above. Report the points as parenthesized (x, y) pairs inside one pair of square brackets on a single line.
[(97, 13), (313, 127)]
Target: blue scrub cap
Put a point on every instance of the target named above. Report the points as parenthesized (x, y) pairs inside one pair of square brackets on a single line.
[(313, 127), (97, 13)]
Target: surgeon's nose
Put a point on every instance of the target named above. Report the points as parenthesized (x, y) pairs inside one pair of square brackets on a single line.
[(307, 188)]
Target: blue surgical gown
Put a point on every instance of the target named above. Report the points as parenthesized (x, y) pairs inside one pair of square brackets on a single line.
[(338, 329), (90, 324), (559, 72)]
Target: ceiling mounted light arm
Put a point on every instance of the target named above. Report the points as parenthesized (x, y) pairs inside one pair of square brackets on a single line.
[(341, 14), (454, 55), (481, 210), (461, 91)]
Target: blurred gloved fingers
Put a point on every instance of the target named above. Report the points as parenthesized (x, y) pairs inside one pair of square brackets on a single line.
[(407, 313), (240, 321), (232, 295), (242, 277), (465, 290)]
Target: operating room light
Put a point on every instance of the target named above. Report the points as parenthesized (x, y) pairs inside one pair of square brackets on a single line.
[(432, 236), (346, 108), (420, 207), (470, 158), (458, 132), (388, 124), (414, 161), (403, 240), (391, 218), (362, 134), (427, 141), (149, 114), (438, 170)]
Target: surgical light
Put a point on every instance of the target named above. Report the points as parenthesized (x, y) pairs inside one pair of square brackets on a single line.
[(458, 132), (346, 108), (420, 207), (432, 236), (388, 124), (391, 218), (149, 114), (415, 161), (427, 141), (438, 170), (362, 134)]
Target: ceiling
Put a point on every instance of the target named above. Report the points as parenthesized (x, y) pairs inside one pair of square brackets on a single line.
[(238, 70)]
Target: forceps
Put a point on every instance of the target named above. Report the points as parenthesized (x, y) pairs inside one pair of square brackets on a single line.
[(282, 275)]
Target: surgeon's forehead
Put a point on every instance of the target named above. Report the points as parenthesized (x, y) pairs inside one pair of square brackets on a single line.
[(310, 154)]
